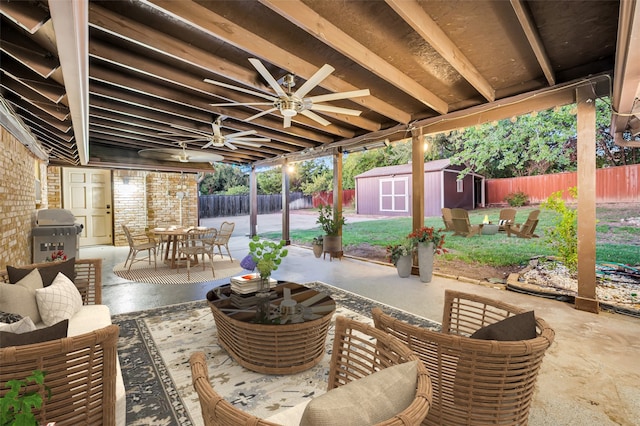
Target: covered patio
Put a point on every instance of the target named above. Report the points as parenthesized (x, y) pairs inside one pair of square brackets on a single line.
[(93, 83)]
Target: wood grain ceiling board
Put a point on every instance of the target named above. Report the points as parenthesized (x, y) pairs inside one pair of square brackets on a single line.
[(148, 61)]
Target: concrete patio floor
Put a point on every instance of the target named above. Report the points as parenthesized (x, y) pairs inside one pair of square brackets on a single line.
[(590, 375)]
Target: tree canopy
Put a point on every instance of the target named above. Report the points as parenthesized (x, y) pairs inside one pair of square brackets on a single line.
[(532, 144)]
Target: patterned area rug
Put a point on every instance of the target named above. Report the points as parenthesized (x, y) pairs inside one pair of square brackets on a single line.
[(142, 272), (155, 346)]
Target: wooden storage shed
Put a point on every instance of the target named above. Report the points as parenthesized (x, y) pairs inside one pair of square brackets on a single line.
[(388, 190)]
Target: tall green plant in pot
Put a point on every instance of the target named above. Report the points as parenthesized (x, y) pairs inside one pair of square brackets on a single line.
[(331, 223)]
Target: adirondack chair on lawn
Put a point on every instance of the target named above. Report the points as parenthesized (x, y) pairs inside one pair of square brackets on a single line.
[(461, 224), (527, 229)]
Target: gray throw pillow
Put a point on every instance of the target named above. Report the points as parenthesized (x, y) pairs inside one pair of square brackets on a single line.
[(56, 331), (48, 273), (9, 318), (516, 327), (370, 400)]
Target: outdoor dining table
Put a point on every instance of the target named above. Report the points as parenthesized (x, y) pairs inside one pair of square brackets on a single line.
[(174, 235)]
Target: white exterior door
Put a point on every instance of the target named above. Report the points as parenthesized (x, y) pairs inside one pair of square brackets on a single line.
[(87, 193)]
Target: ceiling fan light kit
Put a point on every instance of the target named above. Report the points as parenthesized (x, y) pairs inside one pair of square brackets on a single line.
[(290, 103)]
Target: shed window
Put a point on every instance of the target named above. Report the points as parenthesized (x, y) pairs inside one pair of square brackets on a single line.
[(394, 194), (459, 185)]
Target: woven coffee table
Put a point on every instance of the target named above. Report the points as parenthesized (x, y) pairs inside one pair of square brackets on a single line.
[(273, 348)]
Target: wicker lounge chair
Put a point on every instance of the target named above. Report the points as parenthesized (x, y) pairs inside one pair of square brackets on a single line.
[(527, 229), (475, 382), (80, 371), (358, 351), (447, 219), (507, 217), (461, 224)]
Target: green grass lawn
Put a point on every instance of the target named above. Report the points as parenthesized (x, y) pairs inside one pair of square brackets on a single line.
[(494, 250)]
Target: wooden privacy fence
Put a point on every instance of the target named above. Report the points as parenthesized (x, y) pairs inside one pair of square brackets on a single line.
[(613, 185), (238, 205), (326, 197)]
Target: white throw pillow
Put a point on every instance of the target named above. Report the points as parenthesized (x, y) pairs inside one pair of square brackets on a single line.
[(20, 298), (25, 325), (366, 401), (60, 301)]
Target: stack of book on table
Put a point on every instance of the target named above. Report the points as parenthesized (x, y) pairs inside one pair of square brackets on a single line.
[(247, 284)]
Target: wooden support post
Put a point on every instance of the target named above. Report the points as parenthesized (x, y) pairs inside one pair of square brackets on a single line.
[(417, 186), (417, 178), (253, 203), (586, 126), (285, 203)]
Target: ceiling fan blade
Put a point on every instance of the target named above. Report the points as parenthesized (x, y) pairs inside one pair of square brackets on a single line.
[(241, 104), (315, 117), (176, 154), (315, 79), (241, 89), (230, 145), (248, 143), (340, 95), (242, 140), (267, 76), (207, 145), (240, 134), (260, 114), (287, 122), (337, 110)]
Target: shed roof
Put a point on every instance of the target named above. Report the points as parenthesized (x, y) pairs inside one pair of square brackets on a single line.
[(403, 169)]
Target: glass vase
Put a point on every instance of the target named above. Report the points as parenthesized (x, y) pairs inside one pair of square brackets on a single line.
[(263, 301)]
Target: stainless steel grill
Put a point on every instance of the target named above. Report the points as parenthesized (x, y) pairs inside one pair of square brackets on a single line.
[(55, 230)]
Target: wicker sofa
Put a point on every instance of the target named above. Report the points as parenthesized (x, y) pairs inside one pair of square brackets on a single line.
[(476, 381), (83, 370)]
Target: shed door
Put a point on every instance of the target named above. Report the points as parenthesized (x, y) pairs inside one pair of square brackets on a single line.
[(394, 195)]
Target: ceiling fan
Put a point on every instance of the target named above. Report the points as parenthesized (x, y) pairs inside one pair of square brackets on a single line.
[(216, 139), (290, 103), (181, 154)]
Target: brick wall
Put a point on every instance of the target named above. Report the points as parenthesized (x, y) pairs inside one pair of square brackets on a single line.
[(149, 199), (19, 169), (54, 187)]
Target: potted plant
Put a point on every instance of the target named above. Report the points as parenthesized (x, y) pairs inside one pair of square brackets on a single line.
[(429, 242), (331, 223), (318, 245), (267, 256), (401, 255)]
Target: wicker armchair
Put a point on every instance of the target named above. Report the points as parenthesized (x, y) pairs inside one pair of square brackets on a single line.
[(358, 350), (80, 371), (88, 278), (475, 382)]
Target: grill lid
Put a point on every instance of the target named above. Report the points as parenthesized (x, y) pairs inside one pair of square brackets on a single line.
[(54, 217)]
